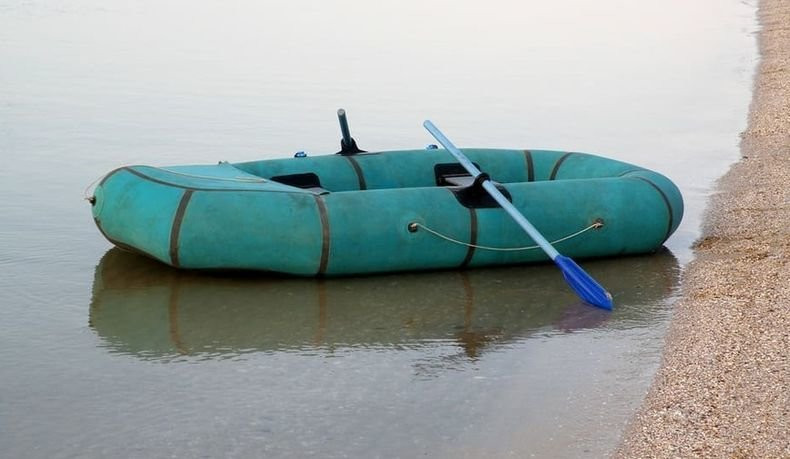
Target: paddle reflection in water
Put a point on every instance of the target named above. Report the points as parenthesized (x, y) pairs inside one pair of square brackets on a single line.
[(143, 308)]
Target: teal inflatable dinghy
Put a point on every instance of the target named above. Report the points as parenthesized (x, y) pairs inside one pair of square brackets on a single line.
[(368, 212)]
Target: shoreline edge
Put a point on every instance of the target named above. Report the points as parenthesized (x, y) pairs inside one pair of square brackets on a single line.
[(722, 388)]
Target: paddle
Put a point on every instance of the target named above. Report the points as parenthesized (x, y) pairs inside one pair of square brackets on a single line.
[(582, 283)]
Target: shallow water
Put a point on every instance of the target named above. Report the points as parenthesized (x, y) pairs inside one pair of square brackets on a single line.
[(103, 353)]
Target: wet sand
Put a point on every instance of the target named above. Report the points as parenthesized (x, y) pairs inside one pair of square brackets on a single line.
[(723, 388)]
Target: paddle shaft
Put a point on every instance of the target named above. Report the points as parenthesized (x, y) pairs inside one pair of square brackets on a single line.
[(341, 117), (493, 191)]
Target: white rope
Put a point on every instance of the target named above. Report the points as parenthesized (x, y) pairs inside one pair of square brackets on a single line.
[(85, 193), (597, 224)]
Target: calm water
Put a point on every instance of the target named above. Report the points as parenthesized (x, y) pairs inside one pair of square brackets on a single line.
[(105, 354)]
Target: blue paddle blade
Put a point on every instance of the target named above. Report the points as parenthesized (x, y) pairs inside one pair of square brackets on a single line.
[(585, 286)]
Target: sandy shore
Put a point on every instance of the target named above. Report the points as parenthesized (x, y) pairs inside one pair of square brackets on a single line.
[(723, 389)]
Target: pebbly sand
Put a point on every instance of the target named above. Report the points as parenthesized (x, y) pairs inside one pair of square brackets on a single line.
[(723, 389)]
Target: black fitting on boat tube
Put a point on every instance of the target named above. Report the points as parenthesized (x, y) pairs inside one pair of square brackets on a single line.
[(481, 177), (348, 146), (475, 196)]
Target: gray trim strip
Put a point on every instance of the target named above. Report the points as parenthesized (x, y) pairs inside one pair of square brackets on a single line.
[(184, 187), (666, 201), (175, 230), (557, 165), (358, 170), (470, 253), (104, 179), (530, 166), (325, 235)]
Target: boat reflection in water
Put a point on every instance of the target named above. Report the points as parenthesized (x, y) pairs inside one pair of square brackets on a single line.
[(143, 308)]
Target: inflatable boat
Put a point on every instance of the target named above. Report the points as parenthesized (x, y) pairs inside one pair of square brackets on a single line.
[(370, 212)]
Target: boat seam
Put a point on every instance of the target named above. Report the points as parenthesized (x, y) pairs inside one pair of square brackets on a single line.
[(110, 174), (558, 164), (185, 187), (470, 253), (175, 229), (358, 170), (325, 234), (530, 166), (666, 202)]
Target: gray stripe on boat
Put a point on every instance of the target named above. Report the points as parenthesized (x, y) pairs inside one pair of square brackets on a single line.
[(557, 165), (324, 234), (472, 237), (357, 170), (104, 179), (530, 166), (175, 230), (666, 201), (196, 188)]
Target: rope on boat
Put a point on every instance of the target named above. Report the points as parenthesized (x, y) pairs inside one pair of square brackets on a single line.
[(597, 224), (91, 199)]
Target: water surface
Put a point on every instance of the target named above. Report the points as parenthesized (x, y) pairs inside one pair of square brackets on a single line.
[(103, 353)]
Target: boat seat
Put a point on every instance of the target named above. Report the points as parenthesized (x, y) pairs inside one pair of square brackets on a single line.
[(452, 174), (307, 181), (468, 192), (458, 180)]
